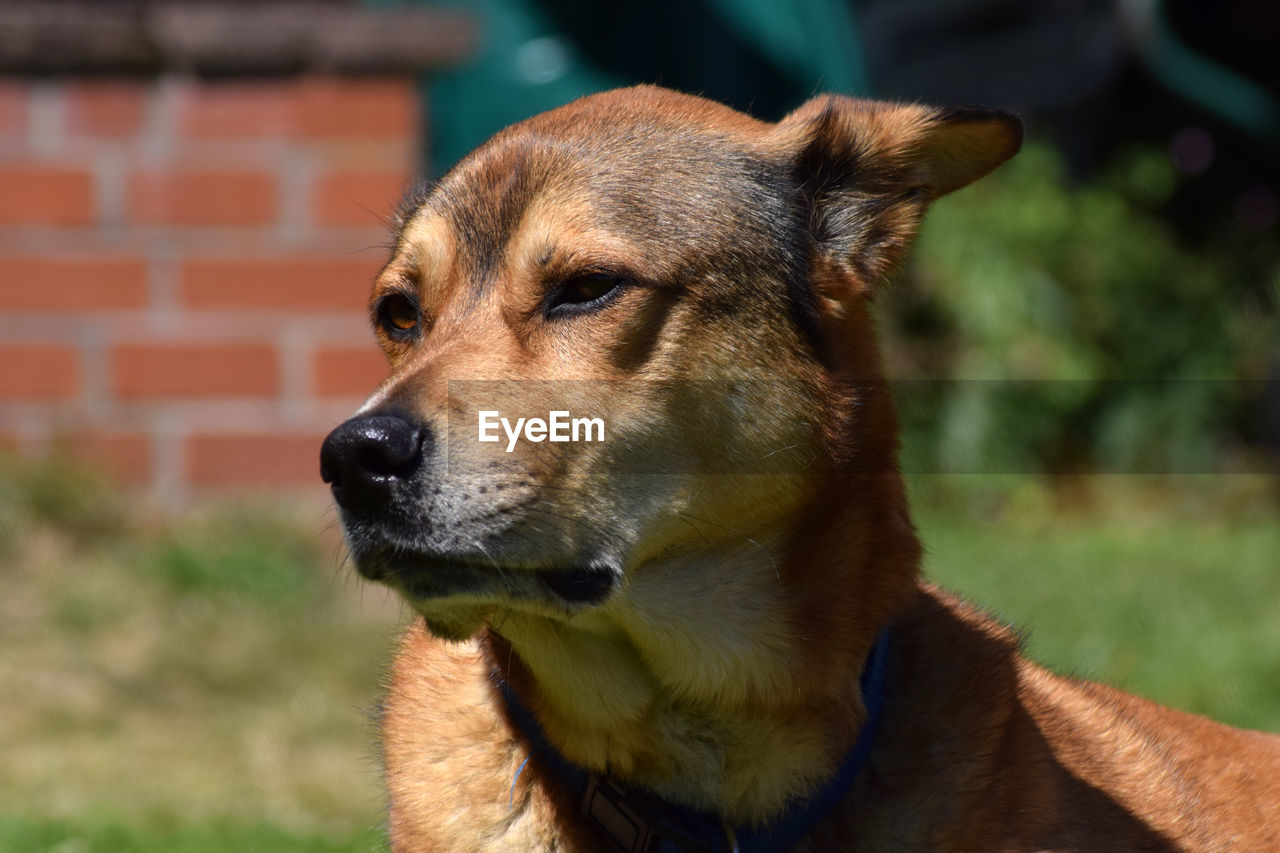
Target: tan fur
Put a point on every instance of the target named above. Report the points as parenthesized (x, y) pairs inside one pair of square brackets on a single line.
[(755, 568)]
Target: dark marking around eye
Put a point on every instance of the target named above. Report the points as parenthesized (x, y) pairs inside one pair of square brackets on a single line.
[(398, 315), (582, 293)]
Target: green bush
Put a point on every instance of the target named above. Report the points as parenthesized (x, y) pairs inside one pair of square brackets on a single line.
[(1070, 328)]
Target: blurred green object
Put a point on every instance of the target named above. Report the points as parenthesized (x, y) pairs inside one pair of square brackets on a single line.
[(532, 56), (1211, 86), (814, 41), (521, 66)]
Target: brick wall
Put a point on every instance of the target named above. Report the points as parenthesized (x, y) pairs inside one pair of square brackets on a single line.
[(183, 268)]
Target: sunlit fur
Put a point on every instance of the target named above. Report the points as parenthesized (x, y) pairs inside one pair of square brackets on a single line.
[(747, 506)]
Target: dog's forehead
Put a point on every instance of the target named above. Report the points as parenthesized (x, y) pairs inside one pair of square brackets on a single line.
[(680, 170), (628, 133)]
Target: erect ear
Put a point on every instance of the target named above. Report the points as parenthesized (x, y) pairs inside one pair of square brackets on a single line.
[(866, 171)]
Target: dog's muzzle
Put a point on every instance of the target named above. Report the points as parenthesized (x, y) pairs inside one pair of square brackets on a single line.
[(378, 466)]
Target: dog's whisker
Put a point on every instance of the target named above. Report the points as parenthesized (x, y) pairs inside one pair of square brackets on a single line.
[(765, 551)]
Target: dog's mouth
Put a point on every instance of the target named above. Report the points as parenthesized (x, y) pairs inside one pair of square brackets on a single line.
[(422, 577)]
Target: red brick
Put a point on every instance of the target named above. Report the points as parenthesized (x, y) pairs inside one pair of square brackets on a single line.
[(124, 456), (253, 459), (364, 155), (194, 370), (298, 283), (102, 108), (191, 197), (329, 107), (315, 108), (13, 109), (33, 283), (348, 371), (237, 109), (38, 372), (45, 196), (357, 198)]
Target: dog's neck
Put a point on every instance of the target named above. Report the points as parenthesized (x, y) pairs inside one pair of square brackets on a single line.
[(728, 697)]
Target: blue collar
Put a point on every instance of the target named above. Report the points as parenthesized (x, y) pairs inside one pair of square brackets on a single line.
[(637, 822)]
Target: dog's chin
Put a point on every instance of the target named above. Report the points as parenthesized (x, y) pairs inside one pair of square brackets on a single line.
[(456, 596), (458, 626)]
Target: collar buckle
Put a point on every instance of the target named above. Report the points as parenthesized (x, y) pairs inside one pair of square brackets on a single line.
[(637, 823)]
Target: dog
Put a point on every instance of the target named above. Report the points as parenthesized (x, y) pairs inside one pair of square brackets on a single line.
[(708, 631)]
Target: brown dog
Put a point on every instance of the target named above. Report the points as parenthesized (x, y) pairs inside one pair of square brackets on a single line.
[(707, 630)]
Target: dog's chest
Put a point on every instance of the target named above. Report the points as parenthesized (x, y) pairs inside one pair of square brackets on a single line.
[(456, 773)]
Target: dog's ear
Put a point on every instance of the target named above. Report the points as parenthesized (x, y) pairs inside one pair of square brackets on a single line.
[(866, 170)]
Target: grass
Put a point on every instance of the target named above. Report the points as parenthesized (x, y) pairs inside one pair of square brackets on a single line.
[(196, 684), (1166, 587), (202, 683), (109, 834)]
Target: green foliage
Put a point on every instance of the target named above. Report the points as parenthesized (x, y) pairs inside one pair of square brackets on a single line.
[(1082, 333)]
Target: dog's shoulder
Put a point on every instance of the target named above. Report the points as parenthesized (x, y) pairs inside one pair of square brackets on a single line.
[(1045, 761), (1156, 764)]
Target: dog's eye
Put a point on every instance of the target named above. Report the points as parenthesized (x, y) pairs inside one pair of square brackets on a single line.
[(398, 315), (583, 292)]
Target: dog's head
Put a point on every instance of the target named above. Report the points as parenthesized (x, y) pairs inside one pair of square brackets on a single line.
[(694, 279)]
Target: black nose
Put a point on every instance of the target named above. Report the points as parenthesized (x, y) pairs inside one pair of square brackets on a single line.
[(365, 458)]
